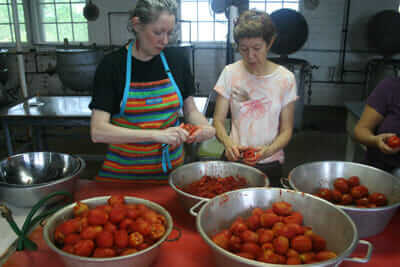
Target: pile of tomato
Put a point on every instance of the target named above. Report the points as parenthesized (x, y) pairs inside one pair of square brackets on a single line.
[(114, 229), (209, 186), (351, 192), (276, 235)]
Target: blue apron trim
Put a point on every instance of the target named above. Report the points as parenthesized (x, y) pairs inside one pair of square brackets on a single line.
[(165, 159), (171, 78), (127, 79)]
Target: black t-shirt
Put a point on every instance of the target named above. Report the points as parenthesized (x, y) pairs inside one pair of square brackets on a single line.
[(109, 81)]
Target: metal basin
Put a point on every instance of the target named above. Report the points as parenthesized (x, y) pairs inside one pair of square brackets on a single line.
[(325, 219), (192, 172), (310, 177), (26, 178), (142, 258)]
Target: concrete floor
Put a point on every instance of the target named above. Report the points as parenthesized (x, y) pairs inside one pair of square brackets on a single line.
[(323, 137)]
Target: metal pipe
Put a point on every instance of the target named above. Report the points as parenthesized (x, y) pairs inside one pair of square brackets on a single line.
[(20, 57), (338, 82), (344, 40)]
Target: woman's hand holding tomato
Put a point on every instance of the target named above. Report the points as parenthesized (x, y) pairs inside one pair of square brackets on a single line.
[(387, 143), (198, 133), (173, 136), (250, 155)]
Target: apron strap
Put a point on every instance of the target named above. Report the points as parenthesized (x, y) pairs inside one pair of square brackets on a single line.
[(127, 79), (171, 78)]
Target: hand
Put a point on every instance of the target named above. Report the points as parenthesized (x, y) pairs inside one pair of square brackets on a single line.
[(173, 136), (381, 142), (250, 155), (232, 151), (202, 133), (240, 95)]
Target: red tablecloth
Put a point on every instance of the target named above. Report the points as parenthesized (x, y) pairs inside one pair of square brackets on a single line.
[(190, 250)]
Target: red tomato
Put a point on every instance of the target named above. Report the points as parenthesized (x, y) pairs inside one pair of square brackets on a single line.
[(157, 231), (84, 248), (121, 238), (135, 239), (393, 141), (249, 236), (116, 199), (105, 239), (91, 232), (71, 239), (97, 217), (104, 253), (117, 214), (128, 251), (80, 209)]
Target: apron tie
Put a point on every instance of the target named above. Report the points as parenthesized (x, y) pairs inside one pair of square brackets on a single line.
[(165, 160)]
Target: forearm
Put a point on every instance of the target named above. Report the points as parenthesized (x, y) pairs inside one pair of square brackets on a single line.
[(280, 142), (111, 134), (196, 118), (365, 136), (221, 133)]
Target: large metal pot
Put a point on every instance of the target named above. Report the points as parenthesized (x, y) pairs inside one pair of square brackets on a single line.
[(76, 67), (192, 172), (28, 177), (325, 219), (142, 258), (310, 177)]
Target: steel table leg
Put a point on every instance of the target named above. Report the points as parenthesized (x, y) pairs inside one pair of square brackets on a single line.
[(8, 137)]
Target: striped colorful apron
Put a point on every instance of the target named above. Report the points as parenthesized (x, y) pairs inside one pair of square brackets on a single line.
[(145, 105)]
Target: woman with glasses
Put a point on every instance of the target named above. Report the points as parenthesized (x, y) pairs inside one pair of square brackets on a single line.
[(260, 96), (138, 92)]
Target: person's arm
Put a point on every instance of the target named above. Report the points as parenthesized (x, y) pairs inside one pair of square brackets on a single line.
[(365, 127), (232, 151), (285, 132), (102, 131), (195, 117)]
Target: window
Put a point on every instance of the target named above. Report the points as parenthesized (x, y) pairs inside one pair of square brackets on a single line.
[(200, 24), (7, 23), (60, 19)]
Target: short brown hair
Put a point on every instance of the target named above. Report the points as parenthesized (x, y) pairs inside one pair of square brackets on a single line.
[(253, 24)]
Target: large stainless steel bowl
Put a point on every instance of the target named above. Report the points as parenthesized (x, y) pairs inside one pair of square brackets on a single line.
[(192, 172), (26, 178), (310, 177), (325, 219), (142, 258)]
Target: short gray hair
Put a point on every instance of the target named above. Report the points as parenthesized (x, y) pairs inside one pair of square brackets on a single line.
[(148, 11)]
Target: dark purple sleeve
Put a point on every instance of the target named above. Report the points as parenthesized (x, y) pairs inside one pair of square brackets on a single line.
[(380, 97)]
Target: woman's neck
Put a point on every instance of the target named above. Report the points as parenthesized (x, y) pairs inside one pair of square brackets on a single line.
[(139, 53), (266, 68)]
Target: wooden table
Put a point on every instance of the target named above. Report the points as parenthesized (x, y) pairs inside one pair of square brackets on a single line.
[(190, 250)]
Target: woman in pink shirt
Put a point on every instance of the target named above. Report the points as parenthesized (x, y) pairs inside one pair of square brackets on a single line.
[(261, 97)]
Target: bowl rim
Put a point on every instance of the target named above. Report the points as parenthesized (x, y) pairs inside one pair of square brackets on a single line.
[(60, 213), (347, 208), (81, 166), (225, 196), (172, 174)]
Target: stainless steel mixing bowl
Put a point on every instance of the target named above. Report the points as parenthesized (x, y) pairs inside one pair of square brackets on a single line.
[(26, 178), (310, 177), (192, 172), (325, 219), (142, 258)]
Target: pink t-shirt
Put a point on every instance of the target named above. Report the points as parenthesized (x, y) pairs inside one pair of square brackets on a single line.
[(255, 122)]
